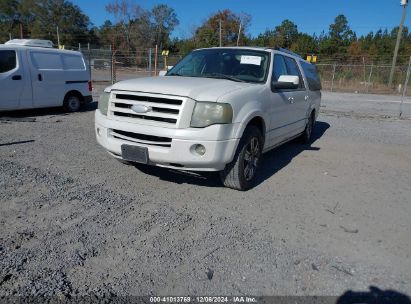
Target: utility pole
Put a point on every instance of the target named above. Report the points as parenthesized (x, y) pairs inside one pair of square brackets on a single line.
[(58, 37), (21, 31), (404, 4), (239, 32), (220, 31), (9, 36)]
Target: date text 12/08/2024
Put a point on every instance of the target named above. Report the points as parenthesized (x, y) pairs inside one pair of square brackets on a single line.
[(233, 299)]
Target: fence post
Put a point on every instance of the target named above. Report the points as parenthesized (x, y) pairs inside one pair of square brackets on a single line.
[(365, 79), (332, 80), (89, 60), (155, 61), (369, 77), (404, 91), (113, 65), (149, 61)]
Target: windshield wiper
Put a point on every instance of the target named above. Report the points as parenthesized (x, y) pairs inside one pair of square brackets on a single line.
[(223, 76)]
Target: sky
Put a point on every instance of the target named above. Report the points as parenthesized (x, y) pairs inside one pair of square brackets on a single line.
[(311, 16)]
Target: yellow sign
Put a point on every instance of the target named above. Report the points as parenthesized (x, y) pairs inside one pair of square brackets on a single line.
[(165, 52), (312, 58)]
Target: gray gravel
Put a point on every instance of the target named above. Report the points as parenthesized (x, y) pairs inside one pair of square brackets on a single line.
[(322, 220)]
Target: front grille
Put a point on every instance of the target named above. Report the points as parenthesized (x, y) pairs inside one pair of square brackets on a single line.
[(149, 99), (165, 111), (163, 119), (141, 138)]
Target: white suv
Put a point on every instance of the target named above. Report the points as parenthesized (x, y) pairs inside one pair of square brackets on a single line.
[(218, 109)]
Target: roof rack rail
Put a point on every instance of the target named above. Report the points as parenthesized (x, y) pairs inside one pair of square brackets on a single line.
[(288, 52), (31, 42)]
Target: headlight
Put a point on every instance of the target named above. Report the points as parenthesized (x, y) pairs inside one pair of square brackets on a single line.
[(103, 102), (210, 113)]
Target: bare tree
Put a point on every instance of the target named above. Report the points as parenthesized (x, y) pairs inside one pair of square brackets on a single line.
[(125, 13), (165, 20)]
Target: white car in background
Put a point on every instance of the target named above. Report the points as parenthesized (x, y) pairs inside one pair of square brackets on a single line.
[(218, 109), (35, 75)]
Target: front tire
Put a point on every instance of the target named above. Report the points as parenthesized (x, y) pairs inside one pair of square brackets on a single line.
[(241, 173)]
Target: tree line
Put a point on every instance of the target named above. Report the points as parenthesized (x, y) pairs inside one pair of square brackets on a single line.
[(135, 28)]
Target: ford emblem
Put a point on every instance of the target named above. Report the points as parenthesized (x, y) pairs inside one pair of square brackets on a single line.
[(141, 108)]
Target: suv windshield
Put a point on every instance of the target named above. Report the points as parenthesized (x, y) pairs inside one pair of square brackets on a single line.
[(232, 64)]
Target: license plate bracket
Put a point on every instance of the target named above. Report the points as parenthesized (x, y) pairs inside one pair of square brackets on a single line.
[(134, 153)]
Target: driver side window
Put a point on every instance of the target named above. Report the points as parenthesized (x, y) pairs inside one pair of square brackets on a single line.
[(7, 61), (279, 68)]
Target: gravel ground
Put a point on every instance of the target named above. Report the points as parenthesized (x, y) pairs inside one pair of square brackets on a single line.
[(323, 219)]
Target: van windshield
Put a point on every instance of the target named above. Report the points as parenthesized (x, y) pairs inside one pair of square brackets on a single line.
[(232, 64)]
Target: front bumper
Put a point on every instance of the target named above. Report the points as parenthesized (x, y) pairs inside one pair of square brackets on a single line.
[(217, 139)]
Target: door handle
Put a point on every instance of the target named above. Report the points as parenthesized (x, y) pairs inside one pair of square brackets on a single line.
[(16, 77), (291, 99), (306, 97), (39, 77)]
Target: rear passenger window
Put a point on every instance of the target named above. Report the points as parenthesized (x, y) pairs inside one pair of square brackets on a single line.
[(293, 70), (46, 61), (73, 62), (310, 71), (7, 60)]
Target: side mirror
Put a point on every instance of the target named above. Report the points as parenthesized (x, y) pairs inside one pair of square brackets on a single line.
[(162, 73), (286, 82)]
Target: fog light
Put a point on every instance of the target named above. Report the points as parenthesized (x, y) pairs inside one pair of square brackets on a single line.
[(98, 131), (200, 149)]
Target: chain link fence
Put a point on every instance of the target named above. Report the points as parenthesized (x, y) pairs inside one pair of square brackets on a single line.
[(362, 78), (108, 66)]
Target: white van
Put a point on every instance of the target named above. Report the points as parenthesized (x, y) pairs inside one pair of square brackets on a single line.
[(33, 74)]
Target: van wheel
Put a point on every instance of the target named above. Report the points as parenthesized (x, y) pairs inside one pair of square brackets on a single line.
[(306, 135), (240, 174), (72, 103)]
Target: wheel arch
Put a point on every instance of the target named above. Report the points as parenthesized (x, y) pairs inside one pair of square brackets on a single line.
[(255, 119), (311, 109), (73, 92)]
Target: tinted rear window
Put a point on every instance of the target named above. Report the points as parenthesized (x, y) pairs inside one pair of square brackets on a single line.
[(73, 62), (46, 61), (7, 60), (310, 71)]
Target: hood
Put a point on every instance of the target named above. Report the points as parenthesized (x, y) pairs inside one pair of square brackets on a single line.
[(200, 89)]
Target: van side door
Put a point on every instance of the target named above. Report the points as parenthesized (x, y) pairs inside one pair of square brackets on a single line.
[(11, 79), (47, 74)]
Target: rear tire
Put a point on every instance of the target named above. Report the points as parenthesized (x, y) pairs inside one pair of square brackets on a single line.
[(241, 173), (306, 135), (72, 103)]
